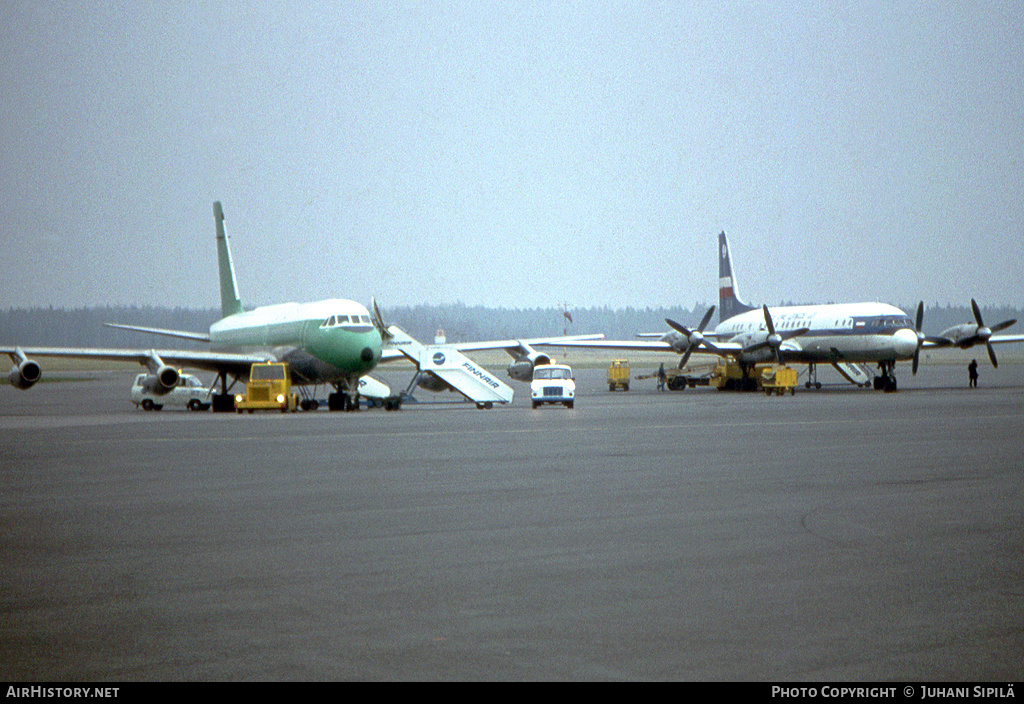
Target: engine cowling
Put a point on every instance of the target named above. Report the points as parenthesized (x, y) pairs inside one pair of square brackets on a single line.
[(160, 383), (24, 374), (522, 368)]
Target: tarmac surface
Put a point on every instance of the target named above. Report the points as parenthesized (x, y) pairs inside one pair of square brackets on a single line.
[(833, 535)]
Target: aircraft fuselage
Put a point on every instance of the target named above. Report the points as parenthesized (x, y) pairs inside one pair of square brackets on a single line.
[(853, 332), (324, 341)]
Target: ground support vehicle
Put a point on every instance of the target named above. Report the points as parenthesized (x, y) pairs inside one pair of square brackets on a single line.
[(269, 389), (771, 378), (553, 383), (778, 379), (188, 393), (678, 379), (618, 375)]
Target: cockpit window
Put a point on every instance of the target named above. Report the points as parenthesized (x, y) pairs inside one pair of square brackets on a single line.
[(335, 320)]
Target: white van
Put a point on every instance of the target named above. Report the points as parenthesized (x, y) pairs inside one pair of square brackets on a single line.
[(553, 383), (189, 393)]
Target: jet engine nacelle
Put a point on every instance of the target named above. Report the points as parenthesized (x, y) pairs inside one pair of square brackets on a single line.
[(160, 383), (522, 368), (24, 374)]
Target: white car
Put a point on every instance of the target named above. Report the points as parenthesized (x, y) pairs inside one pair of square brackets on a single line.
[(189, 393), (553, 383)]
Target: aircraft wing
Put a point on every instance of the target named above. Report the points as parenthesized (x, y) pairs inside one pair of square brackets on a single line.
[(634, 345), (719, 348), (399, 340), (183, 334), (234, 364), (940, 342), (516, 347)]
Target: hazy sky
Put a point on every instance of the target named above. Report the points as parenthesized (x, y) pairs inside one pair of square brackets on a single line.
[(512, 154)]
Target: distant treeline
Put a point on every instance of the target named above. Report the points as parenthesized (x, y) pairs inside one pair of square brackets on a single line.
[(83, 327)]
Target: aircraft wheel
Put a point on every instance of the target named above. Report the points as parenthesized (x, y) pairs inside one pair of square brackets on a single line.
[(147, 404)]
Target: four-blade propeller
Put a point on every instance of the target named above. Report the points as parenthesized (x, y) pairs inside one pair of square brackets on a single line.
[(920, 335), (694, 339), (773, 339), (983, 333)]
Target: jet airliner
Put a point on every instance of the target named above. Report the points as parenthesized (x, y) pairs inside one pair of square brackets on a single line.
[(334, 342), (325, 342)]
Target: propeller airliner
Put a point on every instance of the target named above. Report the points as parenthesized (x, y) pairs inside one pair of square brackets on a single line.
[(845, 335)]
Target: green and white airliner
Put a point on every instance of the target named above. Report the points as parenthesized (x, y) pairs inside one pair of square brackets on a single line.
[(334, 342), (324, 342)]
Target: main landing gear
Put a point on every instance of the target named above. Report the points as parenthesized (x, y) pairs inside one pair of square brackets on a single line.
[(887, 381), (812, 377), (341, 401)]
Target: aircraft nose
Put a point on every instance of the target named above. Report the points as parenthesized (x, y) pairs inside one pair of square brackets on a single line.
[(905, 342)]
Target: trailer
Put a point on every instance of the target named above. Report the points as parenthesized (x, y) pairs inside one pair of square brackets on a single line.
[(680, 379)]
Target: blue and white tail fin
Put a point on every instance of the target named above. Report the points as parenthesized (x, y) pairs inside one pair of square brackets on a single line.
[(729, 302), (229, 301)]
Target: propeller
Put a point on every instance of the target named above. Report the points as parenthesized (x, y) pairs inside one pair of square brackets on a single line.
[(775, 339), (983, 333), (920, 335), (695, 338)]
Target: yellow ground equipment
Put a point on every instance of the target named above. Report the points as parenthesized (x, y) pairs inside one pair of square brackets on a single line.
[(777, 379), (269, 389), (618, 375), (770, 378)]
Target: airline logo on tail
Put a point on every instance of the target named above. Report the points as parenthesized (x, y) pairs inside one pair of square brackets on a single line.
[(729, 303)]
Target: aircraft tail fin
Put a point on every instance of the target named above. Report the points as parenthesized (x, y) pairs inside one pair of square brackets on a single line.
[(729, 302), (229, 301)]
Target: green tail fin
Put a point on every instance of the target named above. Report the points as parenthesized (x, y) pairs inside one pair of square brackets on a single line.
[(229, 302)]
